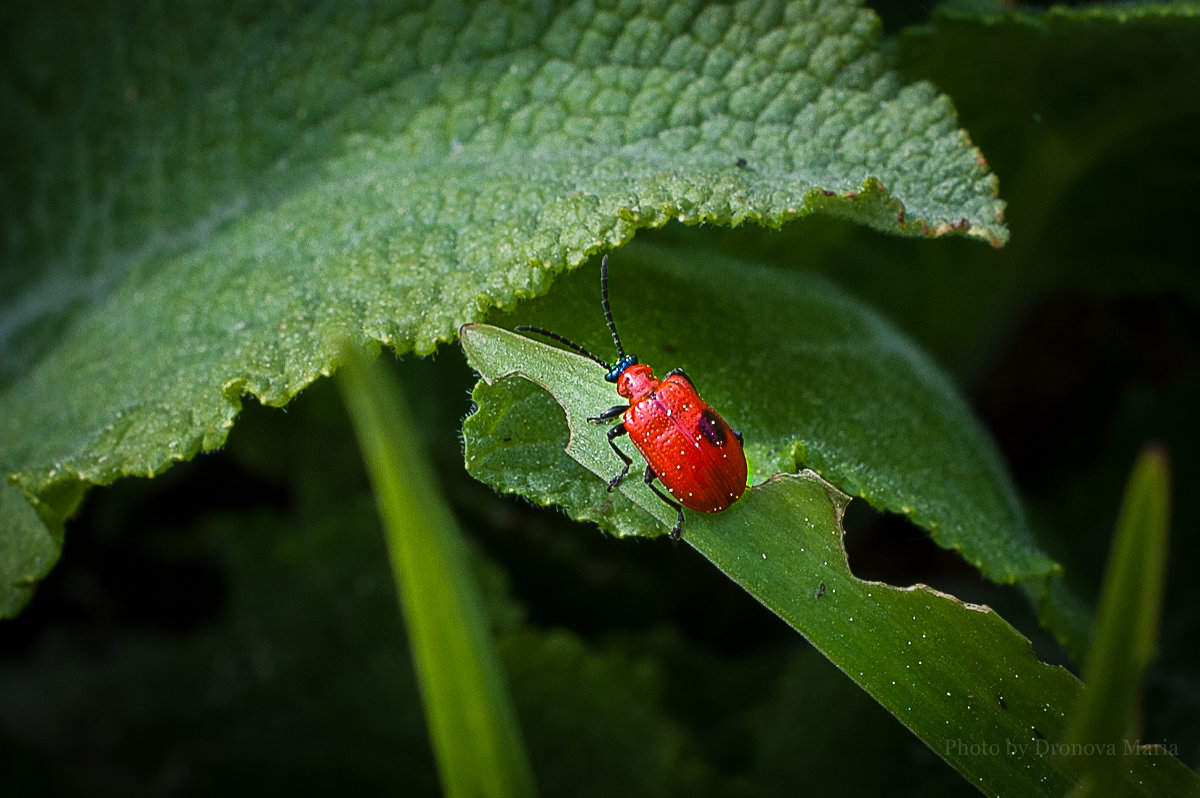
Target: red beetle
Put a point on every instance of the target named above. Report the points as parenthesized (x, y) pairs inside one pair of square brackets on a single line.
[(687, 445)]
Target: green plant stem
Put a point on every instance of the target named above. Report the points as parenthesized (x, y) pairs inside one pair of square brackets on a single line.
[(1105, 723), (472, 724)]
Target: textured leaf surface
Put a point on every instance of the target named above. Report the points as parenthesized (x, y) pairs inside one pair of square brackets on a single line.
[(808, 375), (195, 203)]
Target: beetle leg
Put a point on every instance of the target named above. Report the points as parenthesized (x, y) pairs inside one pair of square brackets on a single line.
[(737, 435), (649, 478), (613, 434), (609, 414)]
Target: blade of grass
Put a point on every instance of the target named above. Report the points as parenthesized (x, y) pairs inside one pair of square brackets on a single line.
[(1105, 722), (473, 726)]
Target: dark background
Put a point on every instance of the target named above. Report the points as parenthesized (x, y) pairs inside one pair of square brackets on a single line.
[(230, 626)]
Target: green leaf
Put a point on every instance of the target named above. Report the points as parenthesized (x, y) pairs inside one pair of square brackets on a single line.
[(956, 674), (1060, 153), (1105, 725), (29, 547), (196, 204), (471, 719), (809, 376)]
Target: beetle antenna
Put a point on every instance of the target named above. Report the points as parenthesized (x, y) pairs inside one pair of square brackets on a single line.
[(565, 341), (612, 326)]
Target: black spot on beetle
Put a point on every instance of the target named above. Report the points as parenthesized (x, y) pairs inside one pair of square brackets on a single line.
[(711, 428)]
